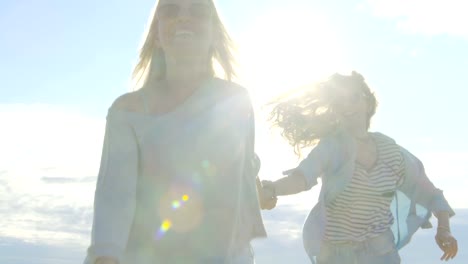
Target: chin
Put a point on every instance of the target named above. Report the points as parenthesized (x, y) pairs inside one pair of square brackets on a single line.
[(356, 128), (180, 48)]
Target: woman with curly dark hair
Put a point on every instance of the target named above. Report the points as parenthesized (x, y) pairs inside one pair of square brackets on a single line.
[(374, 195)]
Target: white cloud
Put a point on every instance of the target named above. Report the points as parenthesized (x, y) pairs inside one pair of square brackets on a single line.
[(428, 17), (47, 137), (283, 245), (48, 162), (49, 159)]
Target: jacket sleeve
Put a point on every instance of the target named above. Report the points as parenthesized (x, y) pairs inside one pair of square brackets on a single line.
[(316, 162), (114, 201), (419, 188)]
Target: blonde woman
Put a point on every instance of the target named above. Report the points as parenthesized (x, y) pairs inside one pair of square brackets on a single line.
[(171, 148), (374, 193)]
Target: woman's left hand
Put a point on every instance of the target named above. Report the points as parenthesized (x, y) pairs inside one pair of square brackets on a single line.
[(447, 243), (268, 198)]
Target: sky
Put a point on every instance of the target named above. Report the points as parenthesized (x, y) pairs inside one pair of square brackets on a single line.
[(62, 63)]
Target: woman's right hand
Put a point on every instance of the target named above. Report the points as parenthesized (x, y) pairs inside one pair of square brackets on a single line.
[(447, 242), (106, 260)]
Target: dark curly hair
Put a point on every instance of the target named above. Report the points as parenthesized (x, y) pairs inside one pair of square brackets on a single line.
[(310, 113)]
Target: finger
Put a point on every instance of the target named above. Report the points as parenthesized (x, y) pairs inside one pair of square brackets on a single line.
[(456, 249), (270, 204), (443, 256), (452, 249), (448, 253), (273, 203), (447, 258)]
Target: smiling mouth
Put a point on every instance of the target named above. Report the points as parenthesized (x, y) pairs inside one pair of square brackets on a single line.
[(184, 33)]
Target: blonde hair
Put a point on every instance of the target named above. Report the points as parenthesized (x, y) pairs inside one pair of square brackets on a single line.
[(309, 114), (151, 62)]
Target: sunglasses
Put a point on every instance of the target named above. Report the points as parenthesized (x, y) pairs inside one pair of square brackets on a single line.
[(196, 11)]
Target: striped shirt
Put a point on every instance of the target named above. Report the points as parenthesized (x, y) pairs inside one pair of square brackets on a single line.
[(362, 210)]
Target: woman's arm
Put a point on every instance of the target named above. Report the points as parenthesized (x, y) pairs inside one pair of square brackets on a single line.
[(292, 184), (419, 188), (114, 201), (306, 174)]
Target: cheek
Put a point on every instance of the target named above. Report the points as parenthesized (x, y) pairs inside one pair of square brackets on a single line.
[(205, 30), (365, 105), (163, 32), (363, 108)]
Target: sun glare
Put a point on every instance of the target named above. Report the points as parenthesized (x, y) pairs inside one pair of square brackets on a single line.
[(282, 50), (285, 49)]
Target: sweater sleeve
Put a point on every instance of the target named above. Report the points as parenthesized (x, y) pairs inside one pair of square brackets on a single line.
[(114, 201)]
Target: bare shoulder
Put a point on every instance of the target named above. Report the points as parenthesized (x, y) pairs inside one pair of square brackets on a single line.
[(131, 102), (232, 88)]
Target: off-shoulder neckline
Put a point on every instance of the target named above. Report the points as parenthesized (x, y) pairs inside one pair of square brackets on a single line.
[(187, 103), (177, 109)]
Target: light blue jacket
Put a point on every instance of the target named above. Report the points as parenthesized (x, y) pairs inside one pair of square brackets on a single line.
[(333, 159)]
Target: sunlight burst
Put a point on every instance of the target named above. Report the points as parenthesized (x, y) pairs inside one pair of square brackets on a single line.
[(287, 48)]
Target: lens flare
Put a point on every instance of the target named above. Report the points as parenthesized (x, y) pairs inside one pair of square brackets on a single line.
[(165, 226), (183, 207), (175, 205)]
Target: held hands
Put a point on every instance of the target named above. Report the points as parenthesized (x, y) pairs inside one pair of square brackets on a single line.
[(267, 195), (447, 243)]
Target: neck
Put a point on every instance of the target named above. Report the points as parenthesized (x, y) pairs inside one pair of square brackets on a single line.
[(362, 137), (359, 133), (185, 73)]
